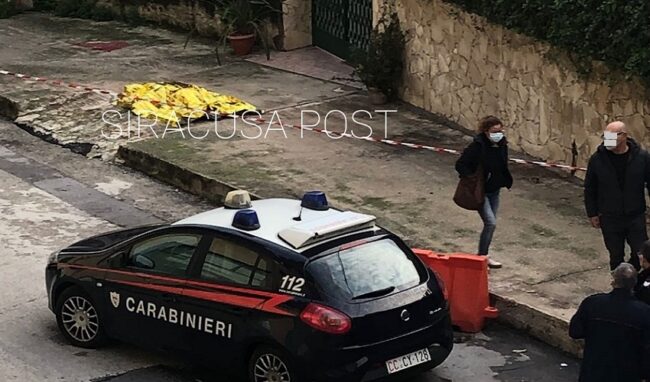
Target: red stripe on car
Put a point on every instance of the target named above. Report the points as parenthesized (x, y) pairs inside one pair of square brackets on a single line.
[(264, 301), (173, 279)]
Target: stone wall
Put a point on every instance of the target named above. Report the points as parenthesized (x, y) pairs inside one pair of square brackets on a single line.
[(184, 14), (24, 5), (294, 33), (463, 67)]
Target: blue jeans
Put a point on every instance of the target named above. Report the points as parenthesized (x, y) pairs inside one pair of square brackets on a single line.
[(489, 216)]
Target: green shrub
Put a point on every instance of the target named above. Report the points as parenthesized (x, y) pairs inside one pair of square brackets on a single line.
[(75, 8), (66, 8), (380, 65), (45, 5), (614, 31), (102, 13), (92, 9), (85, 9), (6, 8), (132, 16)]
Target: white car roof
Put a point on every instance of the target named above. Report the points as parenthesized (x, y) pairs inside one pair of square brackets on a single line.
[(276, 219)]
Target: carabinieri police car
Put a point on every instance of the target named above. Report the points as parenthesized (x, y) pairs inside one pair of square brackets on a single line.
[(285, 290)]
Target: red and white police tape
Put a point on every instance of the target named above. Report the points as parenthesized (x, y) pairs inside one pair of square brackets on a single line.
[(58, 83), (391, 142), (418, 146)]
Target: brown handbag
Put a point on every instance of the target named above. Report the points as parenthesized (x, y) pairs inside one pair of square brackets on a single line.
[(470, 192)]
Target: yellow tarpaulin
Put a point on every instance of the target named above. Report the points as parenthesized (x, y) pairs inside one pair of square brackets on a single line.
[(177, 102)]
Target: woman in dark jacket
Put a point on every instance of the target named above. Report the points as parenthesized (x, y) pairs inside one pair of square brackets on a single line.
[(490, 149), (642, 289)]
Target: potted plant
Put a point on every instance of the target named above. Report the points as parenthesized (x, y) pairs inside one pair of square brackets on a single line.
[(380, 65), (243, 20)]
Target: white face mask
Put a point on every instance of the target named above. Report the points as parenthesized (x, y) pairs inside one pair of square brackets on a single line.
[(496, 137), (610, 140)]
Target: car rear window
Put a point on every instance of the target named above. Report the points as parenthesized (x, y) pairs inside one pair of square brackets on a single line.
[(367, 270)]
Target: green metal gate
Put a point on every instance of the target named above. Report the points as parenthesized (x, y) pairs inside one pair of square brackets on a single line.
[(340, 26)]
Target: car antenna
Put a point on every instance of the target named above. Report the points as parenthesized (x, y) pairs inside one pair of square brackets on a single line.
[(299, 217)]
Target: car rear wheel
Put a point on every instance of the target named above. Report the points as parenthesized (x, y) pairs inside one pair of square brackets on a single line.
[(269, 364), (78, 319)]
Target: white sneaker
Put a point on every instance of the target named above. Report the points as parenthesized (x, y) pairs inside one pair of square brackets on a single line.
[(493, 263)]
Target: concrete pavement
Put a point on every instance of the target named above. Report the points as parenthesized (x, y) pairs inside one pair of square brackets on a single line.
[(49, 198), (35, 222), (552, 257)]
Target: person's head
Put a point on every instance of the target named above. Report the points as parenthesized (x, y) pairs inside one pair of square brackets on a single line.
[(615, 136), (644, 255), (624, 276), (492, 127)]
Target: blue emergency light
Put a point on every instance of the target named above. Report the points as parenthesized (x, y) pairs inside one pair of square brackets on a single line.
[(315, 200), (246, 220)]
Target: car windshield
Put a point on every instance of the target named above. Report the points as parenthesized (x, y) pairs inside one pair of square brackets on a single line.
[(367, 270)]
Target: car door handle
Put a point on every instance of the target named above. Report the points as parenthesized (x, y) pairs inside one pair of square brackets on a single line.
[(168, 297)]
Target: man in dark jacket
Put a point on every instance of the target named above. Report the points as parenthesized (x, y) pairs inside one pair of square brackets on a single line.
[(642, 289), (616, 330), (614, 193)]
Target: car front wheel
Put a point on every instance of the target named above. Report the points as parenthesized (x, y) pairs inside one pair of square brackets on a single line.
[(272, 365), (78, 319)]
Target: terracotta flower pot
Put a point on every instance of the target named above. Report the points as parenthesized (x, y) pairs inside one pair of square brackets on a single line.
[(242, 44), (376, 96)]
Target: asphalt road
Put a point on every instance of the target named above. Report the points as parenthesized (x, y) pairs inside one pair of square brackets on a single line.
[(50, 197)]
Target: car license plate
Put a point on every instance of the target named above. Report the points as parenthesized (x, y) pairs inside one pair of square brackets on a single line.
[(409, 360)]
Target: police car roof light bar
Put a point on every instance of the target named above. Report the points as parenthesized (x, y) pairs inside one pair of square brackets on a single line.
[(309, 232), (246, 220), (237, 199), (315, 200)]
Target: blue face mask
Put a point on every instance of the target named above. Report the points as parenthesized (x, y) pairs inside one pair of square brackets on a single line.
[(496, 137)]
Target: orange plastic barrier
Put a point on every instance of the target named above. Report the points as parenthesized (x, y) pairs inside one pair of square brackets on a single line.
[(466, 280)]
